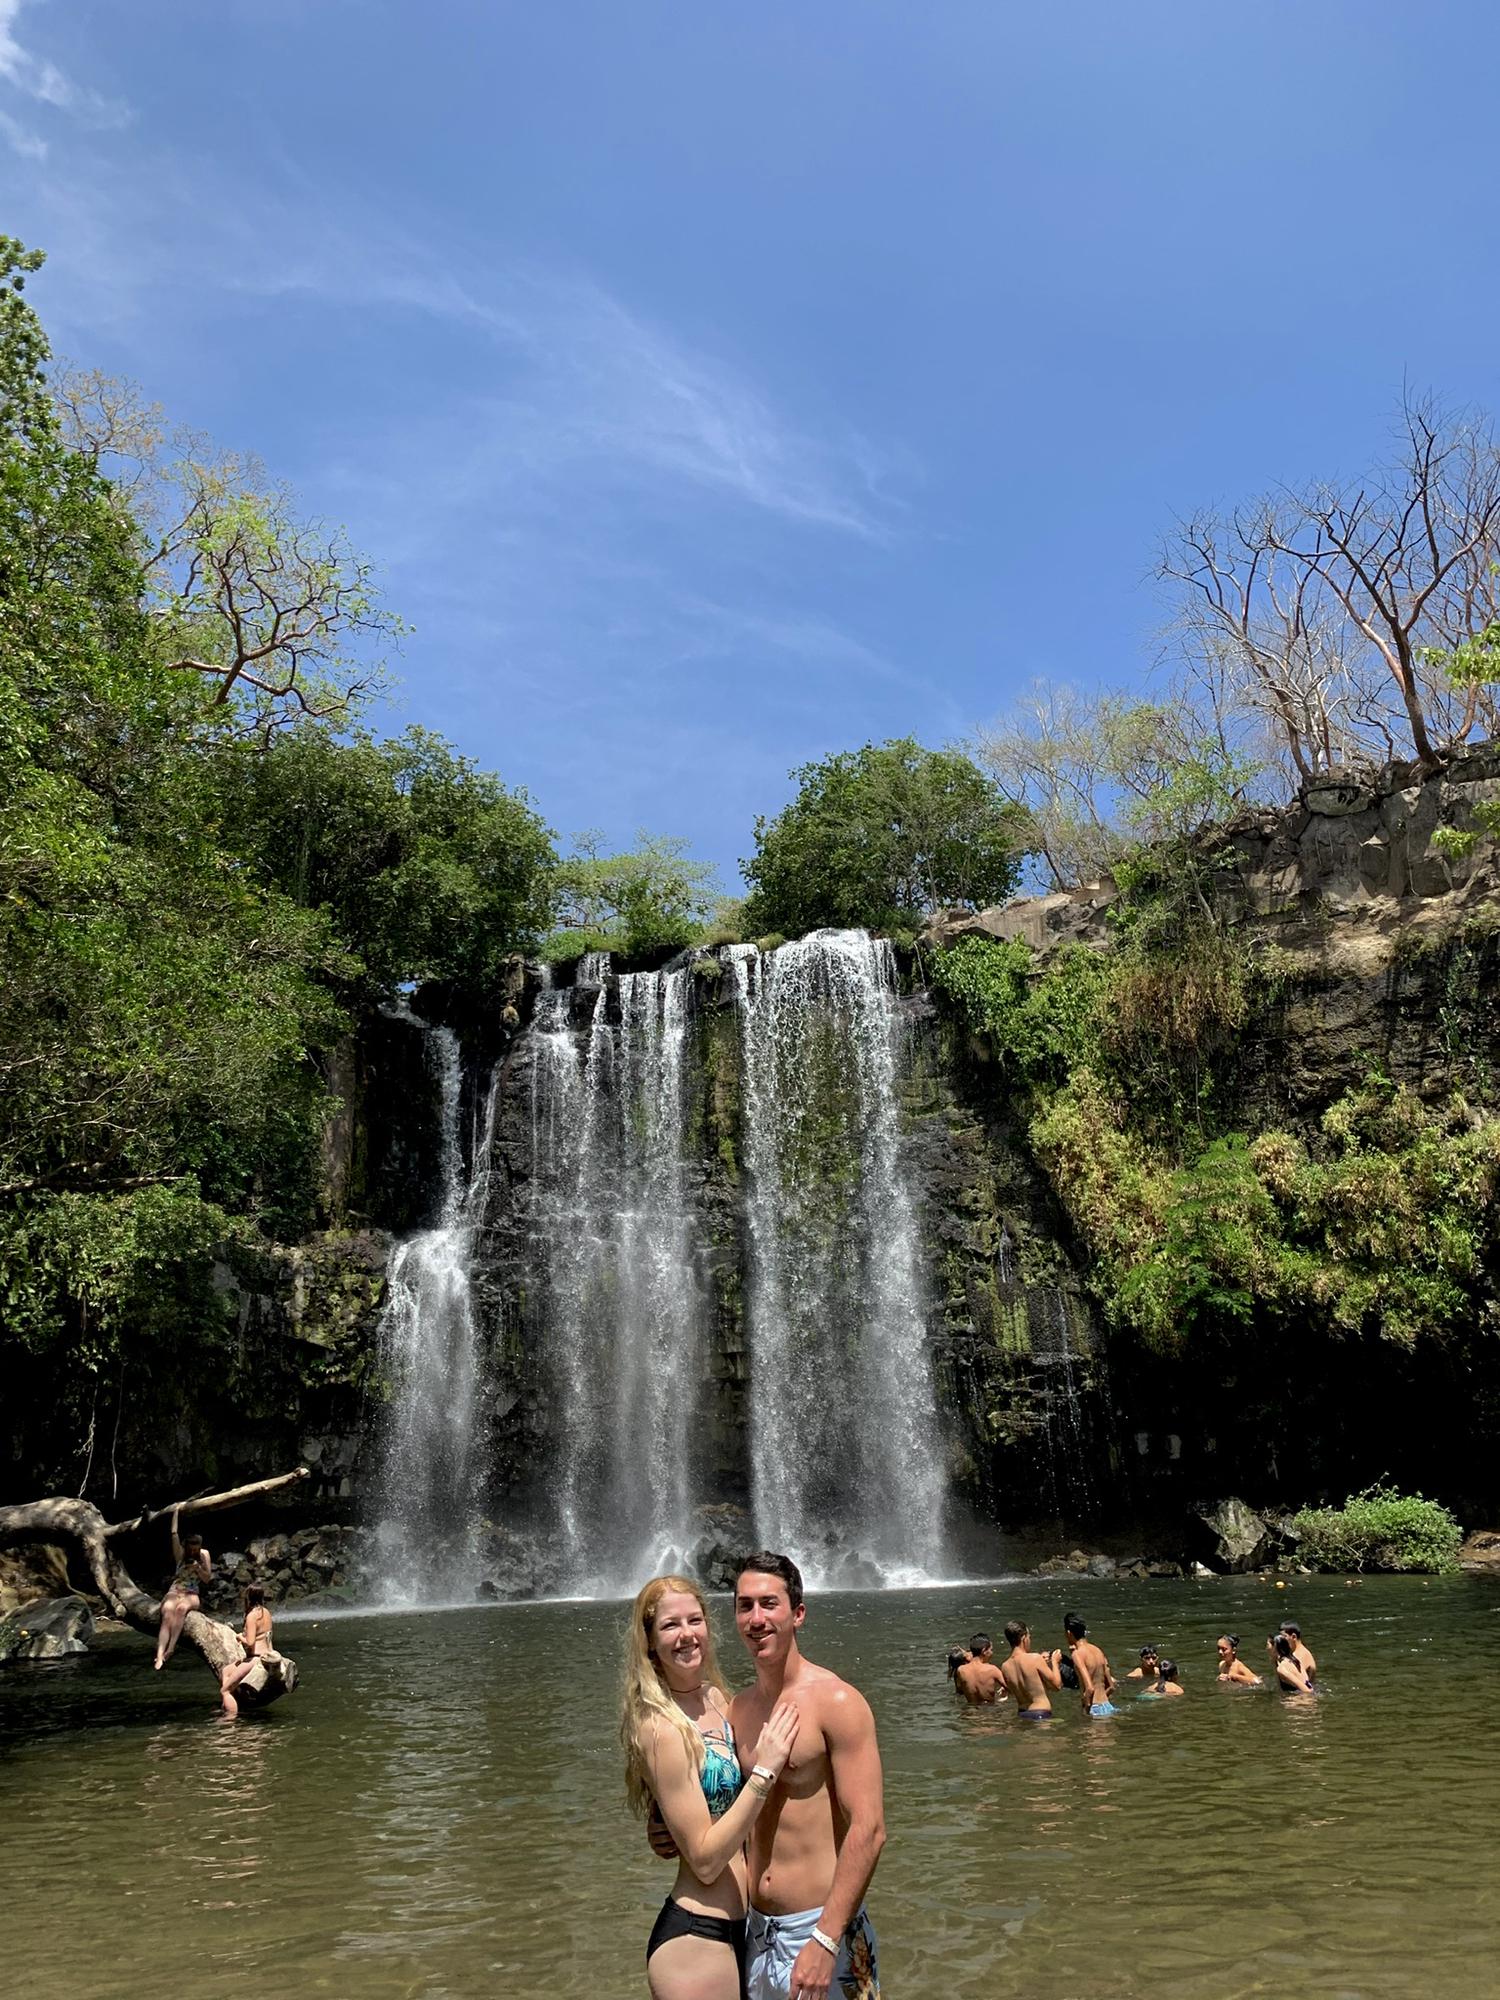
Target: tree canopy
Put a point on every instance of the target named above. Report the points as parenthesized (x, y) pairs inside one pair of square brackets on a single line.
[(200, 882), (882, 837)]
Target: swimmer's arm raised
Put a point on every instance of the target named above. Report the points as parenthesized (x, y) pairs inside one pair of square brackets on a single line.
[(1048, 1669)]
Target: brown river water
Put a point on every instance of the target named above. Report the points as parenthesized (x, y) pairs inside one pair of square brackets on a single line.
[(437, 1813)]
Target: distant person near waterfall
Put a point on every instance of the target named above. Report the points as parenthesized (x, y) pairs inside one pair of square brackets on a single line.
[(680, 1759), (192, 1570), (812, 1860)]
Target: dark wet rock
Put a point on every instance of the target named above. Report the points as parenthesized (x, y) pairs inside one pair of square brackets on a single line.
[(49, 1629)]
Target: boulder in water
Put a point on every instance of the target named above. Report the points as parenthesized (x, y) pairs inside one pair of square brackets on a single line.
[(49, 1629), (1241, 1540)]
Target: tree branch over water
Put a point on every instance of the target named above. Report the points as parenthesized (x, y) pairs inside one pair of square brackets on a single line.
[(80, 1521)]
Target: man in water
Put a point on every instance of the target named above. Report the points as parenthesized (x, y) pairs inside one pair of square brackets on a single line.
[(813, 1850), (1150, 1660), (1028, 1675), (1299, 1651), (1095, 1681), (979, 1679)]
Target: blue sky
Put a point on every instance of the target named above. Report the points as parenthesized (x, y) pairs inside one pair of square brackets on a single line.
[(720, 385)]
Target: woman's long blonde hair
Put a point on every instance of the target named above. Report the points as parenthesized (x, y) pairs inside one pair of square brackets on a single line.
[(647, 1699)]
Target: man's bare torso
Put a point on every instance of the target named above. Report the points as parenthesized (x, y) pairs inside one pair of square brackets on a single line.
[(1022, 1674), (980, 1680), (1092, 1669), (794, 1844)]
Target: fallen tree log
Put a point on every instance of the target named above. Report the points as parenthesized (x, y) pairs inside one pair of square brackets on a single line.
[(80, 1521)]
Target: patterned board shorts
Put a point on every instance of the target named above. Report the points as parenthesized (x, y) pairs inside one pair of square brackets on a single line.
[(776, 1941)]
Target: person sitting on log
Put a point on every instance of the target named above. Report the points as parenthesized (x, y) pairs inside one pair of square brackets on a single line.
[(256, 1640), (192, 1571)]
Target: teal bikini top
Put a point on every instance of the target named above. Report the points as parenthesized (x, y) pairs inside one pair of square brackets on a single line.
[(721, 1778)]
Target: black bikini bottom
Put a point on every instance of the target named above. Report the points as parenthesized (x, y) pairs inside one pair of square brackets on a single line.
[(674, 1921)]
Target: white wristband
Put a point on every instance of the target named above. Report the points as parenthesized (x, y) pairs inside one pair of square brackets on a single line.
[(760, 1771), (822, 1938)]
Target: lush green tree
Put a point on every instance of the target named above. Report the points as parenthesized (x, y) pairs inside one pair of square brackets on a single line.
[(652, 899), (426, 866), (882, 837), (158, 1007)]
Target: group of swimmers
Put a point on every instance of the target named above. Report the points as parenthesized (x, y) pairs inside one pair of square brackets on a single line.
[(1030, 1678), (191, 1569)]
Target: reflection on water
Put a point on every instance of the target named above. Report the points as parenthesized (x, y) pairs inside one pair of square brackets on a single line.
[(437, 1814)]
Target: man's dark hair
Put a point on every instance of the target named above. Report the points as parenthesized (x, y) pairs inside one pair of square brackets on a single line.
[(1291, 1625), (1015, 1632), (771, 1564), (1151, 1652), (980, 1643), (1074, 1626)]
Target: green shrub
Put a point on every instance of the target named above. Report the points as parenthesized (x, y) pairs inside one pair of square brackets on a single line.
[(1380, 1529)]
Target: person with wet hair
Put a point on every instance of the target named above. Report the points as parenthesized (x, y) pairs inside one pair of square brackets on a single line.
[(1291, 1676), (1028, 1675), (256, 1640), (1095, 1681), (1150, 1660), (1231, 1667), (1300, 1653), (978, 1679), (1165, 1685)]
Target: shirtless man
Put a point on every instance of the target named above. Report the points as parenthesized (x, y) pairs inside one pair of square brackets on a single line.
[(1028, 1675), (1300, 1653), (814, 1847), (1095, 1681), (979, 1679)]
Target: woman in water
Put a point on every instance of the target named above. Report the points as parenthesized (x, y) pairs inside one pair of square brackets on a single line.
[(192, 1571), (1166, 1683), (1231, 1666), (680, 1757), (256, 1640)]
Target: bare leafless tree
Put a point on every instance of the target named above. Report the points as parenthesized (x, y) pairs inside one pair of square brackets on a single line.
[(1338, 604)]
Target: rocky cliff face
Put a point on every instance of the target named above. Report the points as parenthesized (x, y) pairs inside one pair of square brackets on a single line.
[(1388, 959)]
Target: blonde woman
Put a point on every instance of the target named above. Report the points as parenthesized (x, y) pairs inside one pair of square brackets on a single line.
[(680, 1757)]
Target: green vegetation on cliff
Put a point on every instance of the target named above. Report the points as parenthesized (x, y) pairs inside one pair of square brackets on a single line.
[(1381, 1220)]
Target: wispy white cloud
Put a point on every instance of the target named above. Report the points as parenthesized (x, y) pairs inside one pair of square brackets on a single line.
[(21, 138), (40, 80)]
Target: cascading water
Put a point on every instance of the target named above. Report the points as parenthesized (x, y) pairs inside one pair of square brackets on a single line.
[(425, 1539), (846, 1454), (622, 1265)]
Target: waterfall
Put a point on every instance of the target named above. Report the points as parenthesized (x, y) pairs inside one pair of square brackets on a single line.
[(425, 1540), (625, 1298), (845, 1449)]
